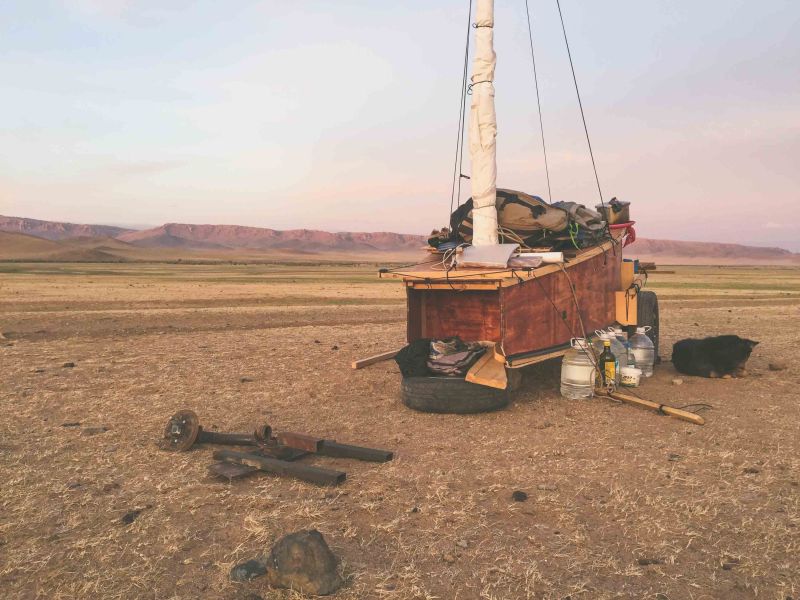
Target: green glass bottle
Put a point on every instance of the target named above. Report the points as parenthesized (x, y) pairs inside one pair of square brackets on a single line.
[(608, 365)]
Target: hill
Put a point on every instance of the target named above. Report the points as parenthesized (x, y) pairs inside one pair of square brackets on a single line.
[(54, 230), (710, 253), (175, 235), (31, 239)]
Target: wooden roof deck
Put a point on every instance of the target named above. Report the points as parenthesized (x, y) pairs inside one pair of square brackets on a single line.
[(423, 276)]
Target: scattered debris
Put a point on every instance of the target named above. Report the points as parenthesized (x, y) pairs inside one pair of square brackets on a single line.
[(448, 558), (519, 496), (645, 562), (334, 347), (677, 381), (462, 544), (778, 365), (245, 380), (303, 562), (751, 470), (71, 424), (729, 563), (414, 510), (86, 431), (247, 571), (74, 485), (38, 370), (68, 365), (273, 453), (674, 457)]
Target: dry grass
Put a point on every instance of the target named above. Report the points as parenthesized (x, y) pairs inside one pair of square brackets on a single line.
[(610, 486)]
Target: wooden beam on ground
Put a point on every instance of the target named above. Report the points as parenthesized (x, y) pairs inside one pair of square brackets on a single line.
[(684, 415), (365, 362)]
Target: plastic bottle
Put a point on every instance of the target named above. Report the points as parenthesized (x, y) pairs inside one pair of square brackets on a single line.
[(643, 350), (622, 336), (578, 370), (608, 365)]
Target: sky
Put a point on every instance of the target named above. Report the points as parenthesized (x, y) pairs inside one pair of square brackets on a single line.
[(343, 115)]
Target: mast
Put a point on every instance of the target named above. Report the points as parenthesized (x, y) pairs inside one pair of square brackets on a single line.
[(483, 129)]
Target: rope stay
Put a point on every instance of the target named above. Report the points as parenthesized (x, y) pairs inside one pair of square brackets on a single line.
[(458, 162), (580, 104), (538, 101)]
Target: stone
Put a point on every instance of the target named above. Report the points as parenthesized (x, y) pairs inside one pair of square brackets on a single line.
[(448, 558), (246, 571), (302, 561), (462, 543), (777, 365), (751, 470), (519, 496), (68, 365), (245, 380), (644, 562), (677, 381), (130, 516)]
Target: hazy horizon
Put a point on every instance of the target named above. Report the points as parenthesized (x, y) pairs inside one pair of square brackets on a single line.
[(342, 117)]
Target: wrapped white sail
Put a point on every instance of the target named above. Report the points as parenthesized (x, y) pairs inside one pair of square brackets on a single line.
[(483, 129)]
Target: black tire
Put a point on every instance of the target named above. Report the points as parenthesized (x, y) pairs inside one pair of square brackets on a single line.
[(647, 311), (451, 395)]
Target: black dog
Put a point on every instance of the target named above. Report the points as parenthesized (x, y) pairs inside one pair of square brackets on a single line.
[(724, 355)]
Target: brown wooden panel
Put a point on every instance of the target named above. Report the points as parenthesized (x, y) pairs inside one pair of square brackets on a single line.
[(471, 315), (530, 321)]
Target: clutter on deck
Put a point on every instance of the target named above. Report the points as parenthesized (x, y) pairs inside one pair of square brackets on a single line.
[(271, 453)]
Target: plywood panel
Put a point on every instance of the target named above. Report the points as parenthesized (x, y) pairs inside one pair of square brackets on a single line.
[(471, 315), (541, 313)]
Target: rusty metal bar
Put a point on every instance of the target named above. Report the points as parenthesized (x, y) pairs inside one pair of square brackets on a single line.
[(301, 441), (230, 439), (308, 473), (331, 448)]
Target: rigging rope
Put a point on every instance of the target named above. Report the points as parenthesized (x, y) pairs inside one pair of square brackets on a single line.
[(538, 102), (580, 104), (455, 191)]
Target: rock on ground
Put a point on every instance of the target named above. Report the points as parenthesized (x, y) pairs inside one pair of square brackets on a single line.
[(303, 562)]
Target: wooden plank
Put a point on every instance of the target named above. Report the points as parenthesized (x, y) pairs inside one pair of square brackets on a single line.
[(626, 307), (678, 413), (532, 360), (626, 275), (488, 371), (371, 360), (507, 277)]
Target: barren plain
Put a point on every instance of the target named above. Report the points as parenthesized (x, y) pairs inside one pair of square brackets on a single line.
[(622, 503)]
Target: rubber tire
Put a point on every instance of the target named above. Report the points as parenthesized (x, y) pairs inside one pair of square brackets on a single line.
[(647, 311), (451, 395)]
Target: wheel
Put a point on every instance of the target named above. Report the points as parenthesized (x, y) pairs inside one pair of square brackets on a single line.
[(647, 310), (451, 395)]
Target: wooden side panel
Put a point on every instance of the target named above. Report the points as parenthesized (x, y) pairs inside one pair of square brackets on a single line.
[(413, 314), (532, 323), (471, 315)]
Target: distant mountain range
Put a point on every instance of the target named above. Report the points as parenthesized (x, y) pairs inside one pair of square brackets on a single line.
[(32, 239)]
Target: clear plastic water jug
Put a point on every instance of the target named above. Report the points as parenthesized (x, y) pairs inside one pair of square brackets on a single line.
[(643, 350), (622, 336), (578, 370), (620, 351)]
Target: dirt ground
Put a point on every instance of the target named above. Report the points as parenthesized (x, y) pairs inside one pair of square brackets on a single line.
[(622, 503)]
